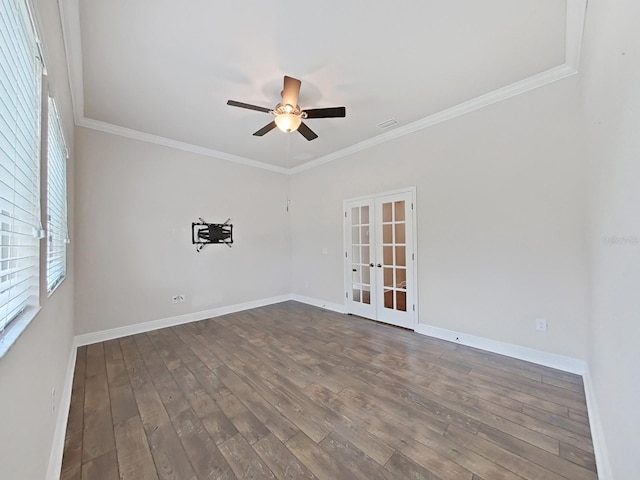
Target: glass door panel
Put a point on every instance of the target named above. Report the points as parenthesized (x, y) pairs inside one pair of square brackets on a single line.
[(395, 258), (393, 253), (359, 296)]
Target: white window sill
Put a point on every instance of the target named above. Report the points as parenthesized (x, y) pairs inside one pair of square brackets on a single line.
[(15, 329), (57, 284)]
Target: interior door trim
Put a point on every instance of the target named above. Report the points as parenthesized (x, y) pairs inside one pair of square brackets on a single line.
[(346, 277)]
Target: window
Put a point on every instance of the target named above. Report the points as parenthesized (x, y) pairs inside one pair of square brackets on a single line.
[(20, 110), (56, 201)]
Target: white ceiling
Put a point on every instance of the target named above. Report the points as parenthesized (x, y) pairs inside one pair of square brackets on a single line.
[(163, 70)]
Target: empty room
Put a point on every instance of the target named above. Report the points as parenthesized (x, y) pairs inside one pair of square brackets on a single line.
[(330, 240)]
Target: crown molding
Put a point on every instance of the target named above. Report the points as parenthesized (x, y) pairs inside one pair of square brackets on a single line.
[(530, 83), (168, 142), (70, 16)]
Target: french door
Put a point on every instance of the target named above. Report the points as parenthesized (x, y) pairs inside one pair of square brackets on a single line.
[(380, 274)]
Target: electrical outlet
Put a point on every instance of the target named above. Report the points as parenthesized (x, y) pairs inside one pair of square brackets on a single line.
[(178, 298), (541, 324)]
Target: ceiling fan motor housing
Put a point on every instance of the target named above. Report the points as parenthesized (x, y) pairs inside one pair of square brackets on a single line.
[(290, 109)]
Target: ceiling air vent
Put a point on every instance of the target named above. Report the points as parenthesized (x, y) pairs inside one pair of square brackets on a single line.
[(392, 122)]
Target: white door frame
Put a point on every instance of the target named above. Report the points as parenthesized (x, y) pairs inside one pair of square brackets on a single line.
[(347, 279)]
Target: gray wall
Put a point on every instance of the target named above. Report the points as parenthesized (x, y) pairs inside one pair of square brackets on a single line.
[(501, 220), (136, 202)]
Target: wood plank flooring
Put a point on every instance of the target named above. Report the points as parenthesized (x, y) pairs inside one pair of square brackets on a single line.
[(290, 391)]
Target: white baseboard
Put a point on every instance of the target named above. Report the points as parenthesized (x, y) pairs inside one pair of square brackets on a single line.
[(104, 335), (334, 307), (559, 362), (597, 433), (546, 359), (110, 334), (57, 447)]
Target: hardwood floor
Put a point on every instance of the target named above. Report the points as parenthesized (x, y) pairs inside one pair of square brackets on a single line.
[(292, 391)]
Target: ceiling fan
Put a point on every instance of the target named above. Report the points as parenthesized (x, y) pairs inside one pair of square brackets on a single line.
[(288, 114)]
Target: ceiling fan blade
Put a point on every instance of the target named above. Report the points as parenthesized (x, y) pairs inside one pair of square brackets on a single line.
[(307, 132), (333, 112), (267, 128), (233, 103), (291, 91)]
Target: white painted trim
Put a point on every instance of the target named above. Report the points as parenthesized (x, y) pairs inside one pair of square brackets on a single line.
[(104, 335), (559, 362), (535, 356), (168, 142), (17, 327), (597, 433), (546, 359), (69, 12), (345, 245), (57, 447), (334, 307), (416, 289), (530, 83), (395, 191)]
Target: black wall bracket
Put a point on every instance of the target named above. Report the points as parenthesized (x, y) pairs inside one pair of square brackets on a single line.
[(203, 233)]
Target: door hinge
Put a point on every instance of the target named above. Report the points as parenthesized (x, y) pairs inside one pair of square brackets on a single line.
[(346, 294), (345, 254), (414, 308), (345, 214), (413, 256), (411, 205)]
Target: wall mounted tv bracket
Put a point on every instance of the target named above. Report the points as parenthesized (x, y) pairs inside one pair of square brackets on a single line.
[(203, 233)]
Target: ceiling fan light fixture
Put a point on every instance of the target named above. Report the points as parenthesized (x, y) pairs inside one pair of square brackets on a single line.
[(288, 122), (288, 114)]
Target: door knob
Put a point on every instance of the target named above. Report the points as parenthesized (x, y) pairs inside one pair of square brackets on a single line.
[(371, 265), (379, 265), (354, 269)]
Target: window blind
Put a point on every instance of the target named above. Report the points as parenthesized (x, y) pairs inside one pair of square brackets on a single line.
[(20, 110), (56, 200)]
